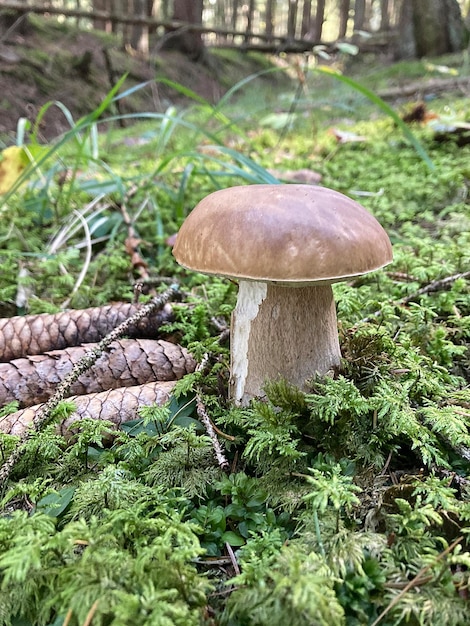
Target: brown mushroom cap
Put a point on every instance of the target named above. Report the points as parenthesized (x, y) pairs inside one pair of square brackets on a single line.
[(283, 234)]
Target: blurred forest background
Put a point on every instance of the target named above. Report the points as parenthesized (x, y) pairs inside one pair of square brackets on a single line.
[(405, 28)]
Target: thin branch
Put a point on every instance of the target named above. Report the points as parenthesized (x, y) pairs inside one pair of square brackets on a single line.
[(205, 419), (132, 245), (91, 613), (67, 618), (222, 434), (435, 285), (233, 558), (416, 580), (43, 415)]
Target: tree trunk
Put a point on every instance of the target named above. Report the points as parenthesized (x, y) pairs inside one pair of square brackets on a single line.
[(249, 19), (292, 18), (186, 41), (384, 15), (165, 10), (344, 6), (319, 19), (121, 7), (235, 7), (220, 15), (430, 28), (151, 12), (359, 14), (406, 45), (139, 34), (306, 19), (395, 11), (269, 18)]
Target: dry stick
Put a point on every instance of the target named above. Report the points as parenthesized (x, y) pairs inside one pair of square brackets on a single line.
[(91, 613), (436, 285), (79, 368), (68, 617), (205, 419), (233, 558), (417, 578)]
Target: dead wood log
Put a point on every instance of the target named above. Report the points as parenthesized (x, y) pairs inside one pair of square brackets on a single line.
[(116, 405), (33, 379), (421, 87), (36, 334)]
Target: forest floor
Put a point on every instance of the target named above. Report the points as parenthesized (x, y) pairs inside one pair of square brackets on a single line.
[(347, 504), (54, 62)]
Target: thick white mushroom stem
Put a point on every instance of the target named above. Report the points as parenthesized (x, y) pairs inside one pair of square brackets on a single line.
[(289, 332)]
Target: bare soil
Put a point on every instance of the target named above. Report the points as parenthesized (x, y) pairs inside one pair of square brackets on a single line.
[(50, 61)]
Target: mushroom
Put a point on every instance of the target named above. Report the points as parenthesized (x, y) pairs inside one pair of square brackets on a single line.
[(286, 245)]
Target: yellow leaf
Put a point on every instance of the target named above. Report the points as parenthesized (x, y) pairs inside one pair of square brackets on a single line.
[(13, 161)]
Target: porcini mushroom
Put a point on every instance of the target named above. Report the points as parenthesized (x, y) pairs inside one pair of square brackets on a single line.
[(286, 245)]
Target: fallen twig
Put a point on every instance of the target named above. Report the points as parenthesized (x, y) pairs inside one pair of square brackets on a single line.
[(91, 613), (205, 419), (233, 558), (204, 366), (435, 285), (416, 580), (133, 240)]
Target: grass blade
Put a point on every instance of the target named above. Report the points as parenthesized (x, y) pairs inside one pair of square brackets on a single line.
[(387, 109)]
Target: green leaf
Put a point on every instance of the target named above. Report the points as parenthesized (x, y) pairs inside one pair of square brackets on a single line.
[(234, 539), (96, 187), (182, 412), (138, 426), (235, 511), (55, 504), (187, 422), (347, 48), (255, 503)]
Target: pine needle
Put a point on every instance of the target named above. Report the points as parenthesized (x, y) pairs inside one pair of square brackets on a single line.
[(416, 580)]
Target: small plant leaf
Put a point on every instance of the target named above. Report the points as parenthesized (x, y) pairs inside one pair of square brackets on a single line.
[(55, 504), (13, 162), (234, 539)]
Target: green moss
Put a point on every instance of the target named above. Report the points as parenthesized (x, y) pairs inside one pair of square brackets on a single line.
[(337, 497)]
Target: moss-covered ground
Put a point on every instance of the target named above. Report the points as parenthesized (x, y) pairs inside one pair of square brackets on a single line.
[(347, 504)]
